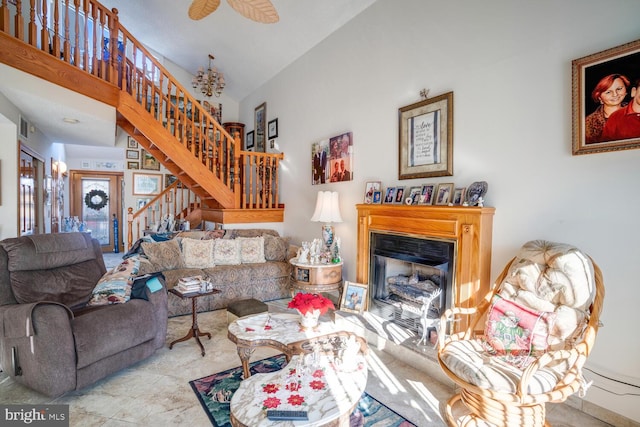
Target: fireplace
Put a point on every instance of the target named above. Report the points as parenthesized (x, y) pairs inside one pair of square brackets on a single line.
[(410, 276), (405, 253)]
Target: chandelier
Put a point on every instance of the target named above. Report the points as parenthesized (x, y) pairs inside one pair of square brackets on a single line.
[(210, 82)]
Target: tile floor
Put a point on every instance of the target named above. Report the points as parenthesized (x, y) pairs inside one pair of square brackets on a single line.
[(156, 391)]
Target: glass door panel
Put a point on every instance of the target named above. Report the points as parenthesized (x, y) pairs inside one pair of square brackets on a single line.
[(95, 209)]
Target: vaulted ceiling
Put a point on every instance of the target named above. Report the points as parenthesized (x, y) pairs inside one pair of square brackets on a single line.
[(247, 52)]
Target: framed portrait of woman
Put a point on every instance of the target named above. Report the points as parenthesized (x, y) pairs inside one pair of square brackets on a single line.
[(606, 97)]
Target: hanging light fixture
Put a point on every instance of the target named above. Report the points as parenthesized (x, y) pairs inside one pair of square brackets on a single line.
[(211, 82)]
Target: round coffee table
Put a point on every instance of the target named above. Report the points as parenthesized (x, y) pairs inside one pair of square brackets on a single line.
[(328, 392)]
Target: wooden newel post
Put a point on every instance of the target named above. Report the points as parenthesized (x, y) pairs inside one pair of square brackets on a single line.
[(130, 227), (237, 176)]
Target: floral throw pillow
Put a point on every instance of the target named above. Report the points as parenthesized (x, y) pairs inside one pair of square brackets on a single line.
[(251, 249), (164, 255), (227, 252), (516, 333), (198, 253)]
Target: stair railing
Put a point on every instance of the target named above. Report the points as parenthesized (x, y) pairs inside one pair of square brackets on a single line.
[(86, 35), (174, 202)]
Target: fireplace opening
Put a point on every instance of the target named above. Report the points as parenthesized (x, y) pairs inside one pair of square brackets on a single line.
[(410, 279)]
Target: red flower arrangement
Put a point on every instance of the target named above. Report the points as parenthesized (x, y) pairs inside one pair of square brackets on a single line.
[(305, 303)]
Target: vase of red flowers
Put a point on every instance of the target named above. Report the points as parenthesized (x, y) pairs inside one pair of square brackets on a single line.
[(310, 307)]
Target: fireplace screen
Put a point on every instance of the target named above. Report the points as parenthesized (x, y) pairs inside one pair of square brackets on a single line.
[(410, 278)]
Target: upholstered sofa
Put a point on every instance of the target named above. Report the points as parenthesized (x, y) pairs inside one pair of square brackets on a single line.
[(241, 263), (51, 339)]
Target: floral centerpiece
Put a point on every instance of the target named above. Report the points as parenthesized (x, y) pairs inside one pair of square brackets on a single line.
[(310, 307)]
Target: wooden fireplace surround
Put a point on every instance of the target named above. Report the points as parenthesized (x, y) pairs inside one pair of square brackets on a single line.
[(470, 228)]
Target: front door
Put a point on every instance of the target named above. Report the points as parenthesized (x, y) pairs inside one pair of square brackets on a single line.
[(96, 199)]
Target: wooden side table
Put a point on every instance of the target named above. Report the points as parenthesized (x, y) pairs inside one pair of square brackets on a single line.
[(194, 332), (316, 277)]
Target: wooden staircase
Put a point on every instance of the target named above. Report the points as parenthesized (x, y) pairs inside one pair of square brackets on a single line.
[(97, 57)]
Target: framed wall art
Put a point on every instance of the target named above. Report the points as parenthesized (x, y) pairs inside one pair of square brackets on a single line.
[(148, 161), (133, 165), (426, 138), (353, 297), (260, 127), (146, 184), (250, 141), (320, 162), (132, 143), (606, 99), (133, 154), (273, 129)]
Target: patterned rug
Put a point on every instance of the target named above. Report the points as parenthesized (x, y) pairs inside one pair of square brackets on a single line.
[(214, 393)]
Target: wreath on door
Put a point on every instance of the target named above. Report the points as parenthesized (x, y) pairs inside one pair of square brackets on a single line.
[(96, 199)]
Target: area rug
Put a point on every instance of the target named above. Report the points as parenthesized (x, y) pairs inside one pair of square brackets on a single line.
[(214, 393)]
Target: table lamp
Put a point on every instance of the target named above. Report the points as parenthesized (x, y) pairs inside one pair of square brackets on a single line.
[(327, 211)]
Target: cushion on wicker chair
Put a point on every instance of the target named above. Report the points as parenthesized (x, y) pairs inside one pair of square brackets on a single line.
[(544, 296)]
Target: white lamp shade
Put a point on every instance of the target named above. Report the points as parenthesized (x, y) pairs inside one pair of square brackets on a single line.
[(327, 207)]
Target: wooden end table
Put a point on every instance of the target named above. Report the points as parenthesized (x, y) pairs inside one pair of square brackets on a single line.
[(194, 332)]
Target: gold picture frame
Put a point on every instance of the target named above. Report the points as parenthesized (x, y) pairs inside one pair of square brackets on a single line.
[(260, 128), (592, 76), (426, 138), (354, 297), (145, 184), (147, 161)]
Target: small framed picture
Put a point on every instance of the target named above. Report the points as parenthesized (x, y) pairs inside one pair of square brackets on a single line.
[(133, 154), (353, 297), (249, 141), (459, 195), (132, 143), (133, 165), (272, 129), (149, 162), (443, 196), (426, 198), (140, 203), (415, 193), (390, 195), (369, 188), (377, 197), (399, 197)]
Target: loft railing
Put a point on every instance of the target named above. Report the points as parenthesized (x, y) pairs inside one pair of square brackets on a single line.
[(174, 203), (86, 35)]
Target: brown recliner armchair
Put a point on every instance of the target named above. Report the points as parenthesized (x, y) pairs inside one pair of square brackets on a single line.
[(50, 340), (537, 326)]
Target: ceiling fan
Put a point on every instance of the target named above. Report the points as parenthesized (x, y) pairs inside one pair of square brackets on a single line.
[(257, 10)]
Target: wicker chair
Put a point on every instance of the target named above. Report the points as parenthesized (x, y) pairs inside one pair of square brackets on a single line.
[(562, 288)]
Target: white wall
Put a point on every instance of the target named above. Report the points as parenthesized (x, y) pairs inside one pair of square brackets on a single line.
[(509, 65)]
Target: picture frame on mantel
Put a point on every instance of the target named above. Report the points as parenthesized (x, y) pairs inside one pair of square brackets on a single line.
[(426, 138), (260, 127), (602, 92)]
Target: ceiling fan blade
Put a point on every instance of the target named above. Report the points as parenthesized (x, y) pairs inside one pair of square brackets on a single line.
[(257, 10), (201, 8)]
